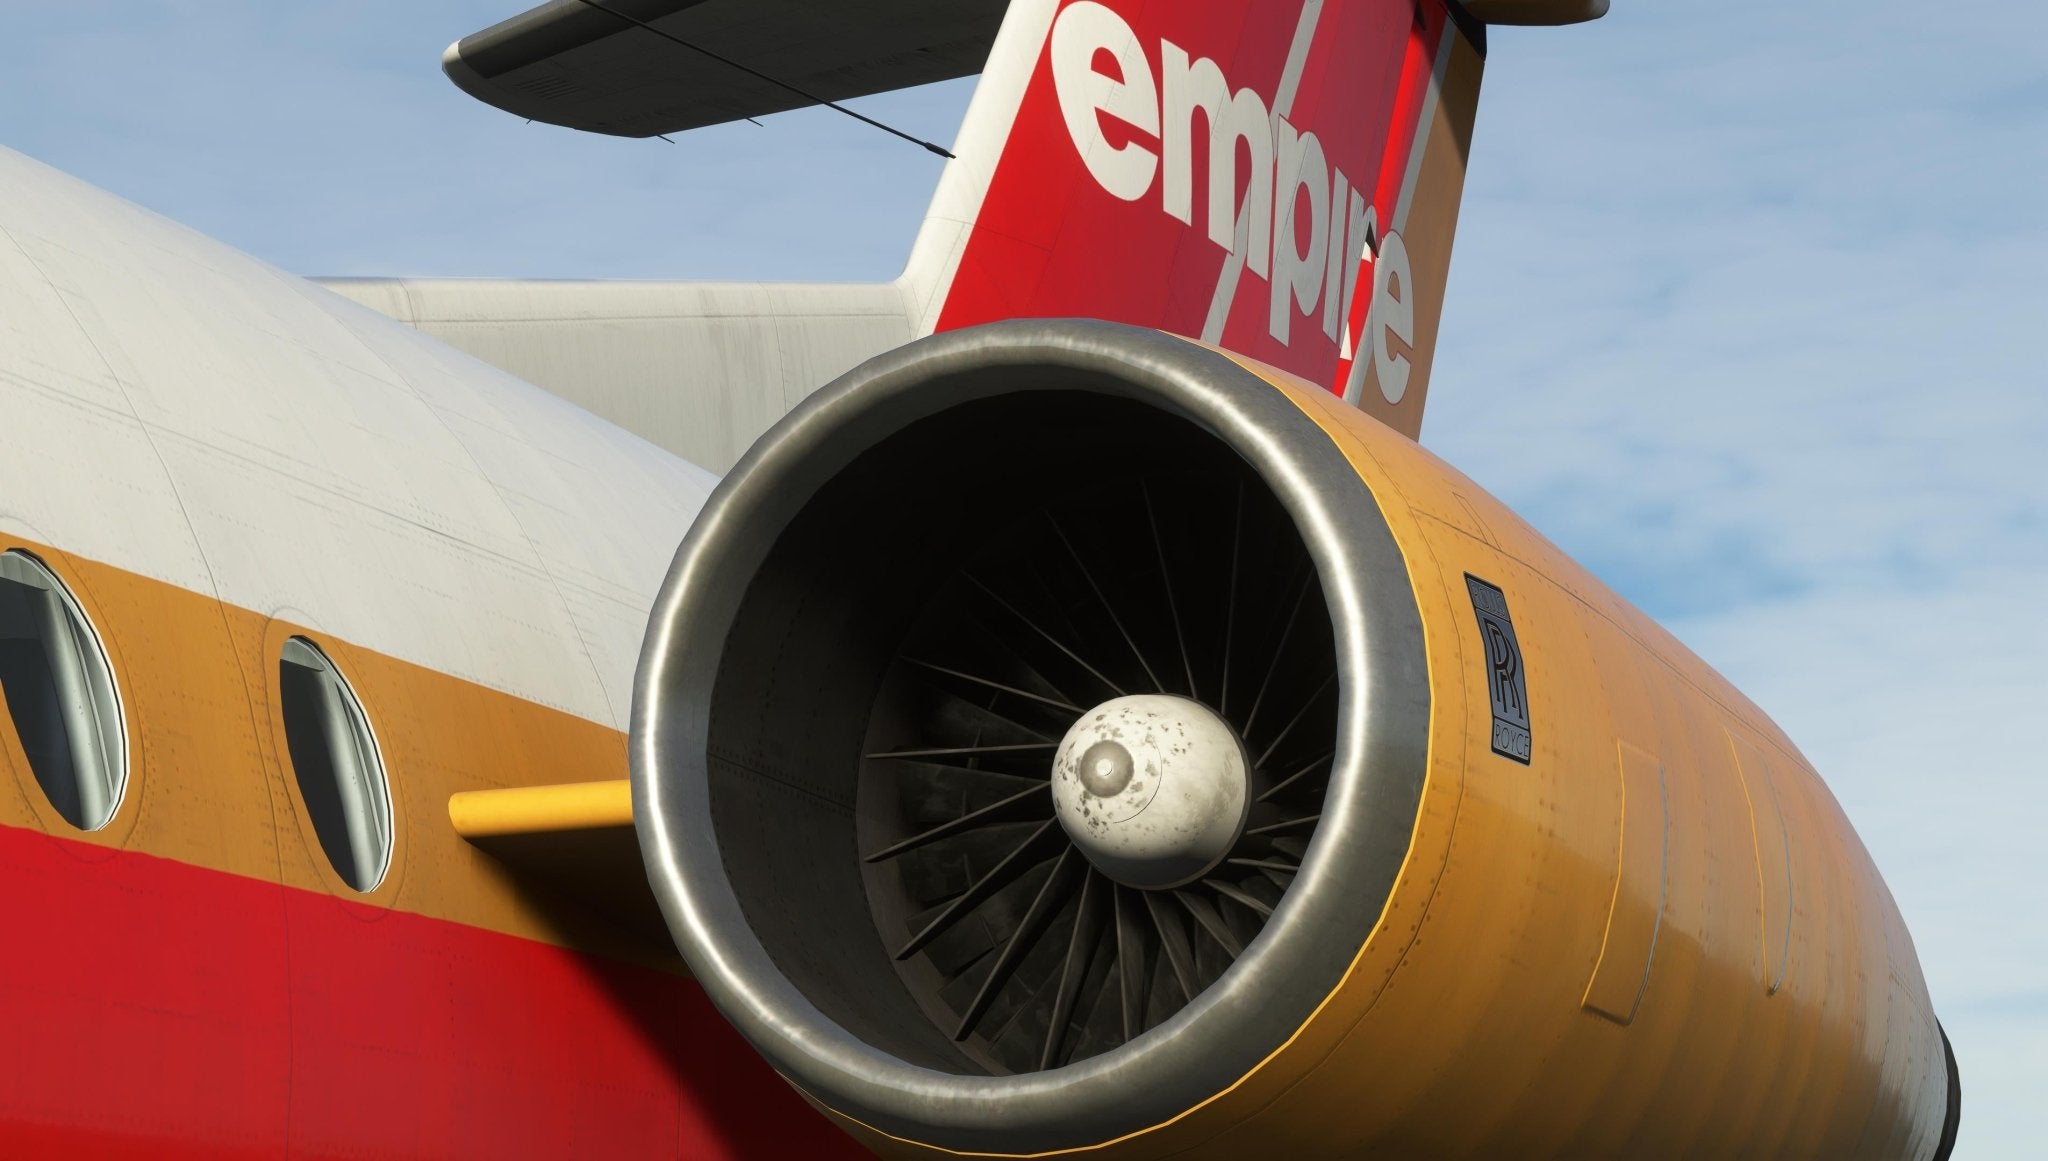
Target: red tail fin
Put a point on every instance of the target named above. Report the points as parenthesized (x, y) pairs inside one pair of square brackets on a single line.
[(1277, 177)]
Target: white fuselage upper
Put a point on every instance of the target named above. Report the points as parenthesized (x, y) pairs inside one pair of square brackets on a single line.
[(180, 410)]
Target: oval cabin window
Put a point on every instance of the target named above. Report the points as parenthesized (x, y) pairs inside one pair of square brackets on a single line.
[(60, 693), (341, 779)]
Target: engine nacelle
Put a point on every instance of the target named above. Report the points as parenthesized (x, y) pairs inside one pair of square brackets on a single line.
[(1512, 872)]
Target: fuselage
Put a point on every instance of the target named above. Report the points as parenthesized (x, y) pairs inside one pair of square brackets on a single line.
[(214, 458)]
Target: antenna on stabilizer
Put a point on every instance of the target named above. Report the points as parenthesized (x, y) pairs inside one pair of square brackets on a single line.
[(759, 75)]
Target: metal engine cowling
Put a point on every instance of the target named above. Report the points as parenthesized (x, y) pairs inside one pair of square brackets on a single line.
[(913, 609)]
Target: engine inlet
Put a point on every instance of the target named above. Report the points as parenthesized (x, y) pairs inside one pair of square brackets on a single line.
[(1029, 734)]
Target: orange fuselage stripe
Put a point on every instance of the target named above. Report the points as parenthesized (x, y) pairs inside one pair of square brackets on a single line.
[(210, 782)]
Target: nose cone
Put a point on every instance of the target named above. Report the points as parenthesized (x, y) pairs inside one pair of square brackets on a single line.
[(1153, 789), (1106, 768)]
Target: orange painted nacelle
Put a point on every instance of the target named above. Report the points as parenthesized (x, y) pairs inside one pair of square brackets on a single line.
[(1660, 937), (1568, 892)]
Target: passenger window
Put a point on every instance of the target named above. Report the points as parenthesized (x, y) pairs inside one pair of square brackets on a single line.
[(60, 693), (334, 755)]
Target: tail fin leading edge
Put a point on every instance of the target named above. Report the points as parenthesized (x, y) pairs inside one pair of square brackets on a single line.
[(1276, 177)]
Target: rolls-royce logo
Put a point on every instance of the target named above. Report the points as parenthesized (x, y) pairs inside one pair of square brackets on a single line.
[(1505, 679)]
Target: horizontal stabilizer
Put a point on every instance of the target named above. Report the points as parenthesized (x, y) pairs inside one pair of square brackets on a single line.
[(588, 64)]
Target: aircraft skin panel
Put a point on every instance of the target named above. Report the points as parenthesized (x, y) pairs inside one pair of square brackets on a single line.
[(208, 909), (160, 1010), (199, 961), (982, 143), (210, 785), (698, 369), (264, 460), (1387, 370), (215, 457), (566, 63), (264, 441), (1463, 1026), (1870, 1064), (1083, 190), (1537, 11)]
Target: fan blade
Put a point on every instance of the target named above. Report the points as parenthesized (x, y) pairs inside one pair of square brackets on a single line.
[(1180, 638), (1054, 702), (1103, 600), (1051, 895), (1265, 865), (1208, 920), (1279, 649), (1239, 896), (1282, 785), (1130, 962), (1015, 805), (1001, 875), (1173, 939), (1288, 824), (1296, 719), (1080, 949), (1230, 603), (947, 751), (1051, 640)]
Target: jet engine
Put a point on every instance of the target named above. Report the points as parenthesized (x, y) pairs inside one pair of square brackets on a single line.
[(1060, 736)]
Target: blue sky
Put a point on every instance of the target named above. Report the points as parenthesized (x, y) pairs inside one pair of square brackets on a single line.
[(1747, 313)]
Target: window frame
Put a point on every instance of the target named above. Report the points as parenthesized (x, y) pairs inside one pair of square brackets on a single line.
[(369, 751), (105, 699)]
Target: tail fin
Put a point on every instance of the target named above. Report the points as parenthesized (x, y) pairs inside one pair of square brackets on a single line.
[(1277, 177)]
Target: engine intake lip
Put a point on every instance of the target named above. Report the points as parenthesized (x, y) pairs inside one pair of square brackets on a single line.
[(1326, 914)]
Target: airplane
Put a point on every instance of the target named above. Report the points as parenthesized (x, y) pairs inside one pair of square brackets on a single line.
[(1049, 704)]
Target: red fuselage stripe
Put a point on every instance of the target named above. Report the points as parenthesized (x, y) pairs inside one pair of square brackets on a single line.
[(151, 1008)]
